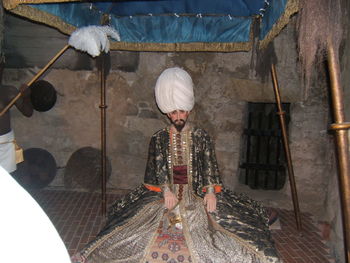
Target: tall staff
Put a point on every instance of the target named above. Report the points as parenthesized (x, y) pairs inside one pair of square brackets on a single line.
[(92, 39), (38, 75), (103, 107), (281, 115), (341, 135)]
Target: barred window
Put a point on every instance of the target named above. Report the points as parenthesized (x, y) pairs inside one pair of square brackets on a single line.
[(262, 162)]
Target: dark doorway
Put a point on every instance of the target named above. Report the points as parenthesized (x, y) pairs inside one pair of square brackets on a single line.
[(262, 162)]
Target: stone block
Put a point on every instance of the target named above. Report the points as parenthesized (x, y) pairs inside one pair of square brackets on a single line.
[(124, 61), (145, 126), (128, 171), (227, 142)]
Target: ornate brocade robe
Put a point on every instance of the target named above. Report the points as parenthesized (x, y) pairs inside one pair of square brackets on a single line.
[(237, 232)]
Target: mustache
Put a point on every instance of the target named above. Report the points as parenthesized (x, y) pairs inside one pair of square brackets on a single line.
[(179, 120)]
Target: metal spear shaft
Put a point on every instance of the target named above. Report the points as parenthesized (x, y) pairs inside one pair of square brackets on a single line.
[(13, 101), (281, 115), (103, 107), (341, 135)]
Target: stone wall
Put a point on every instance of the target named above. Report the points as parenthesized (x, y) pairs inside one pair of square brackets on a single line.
[(1, 32)]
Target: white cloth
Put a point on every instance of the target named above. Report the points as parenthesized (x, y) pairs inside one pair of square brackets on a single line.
[(8, 152), (174, 90), (27, 234)]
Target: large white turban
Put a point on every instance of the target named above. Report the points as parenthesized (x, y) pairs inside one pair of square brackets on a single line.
[(174, 90)]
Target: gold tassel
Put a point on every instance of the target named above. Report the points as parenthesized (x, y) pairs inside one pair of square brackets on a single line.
[(19, 153)]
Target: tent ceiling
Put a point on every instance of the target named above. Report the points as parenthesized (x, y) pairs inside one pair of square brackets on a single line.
[(205, 7), (167, 25)]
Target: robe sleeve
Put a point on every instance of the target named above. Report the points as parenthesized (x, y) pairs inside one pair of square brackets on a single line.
[(210, 170), (156, 175)]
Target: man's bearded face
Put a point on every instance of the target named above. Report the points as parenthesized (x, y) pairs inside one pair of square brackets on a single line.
[(178, 118)]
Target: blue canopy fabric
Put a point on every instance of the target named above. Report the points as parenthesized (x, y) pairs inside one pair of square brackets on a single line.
[(167, 25), (234, 8)]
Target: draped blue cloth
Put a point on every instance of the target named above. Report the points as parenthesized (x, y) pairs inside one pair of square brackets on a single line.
[(156, 7), (172, 29), (173, 21), (271, 15)]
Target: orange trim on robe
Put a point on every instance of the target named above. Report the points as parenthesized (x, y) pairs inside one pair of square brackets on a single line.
[(153, 188), (217, 189), (157, 189)]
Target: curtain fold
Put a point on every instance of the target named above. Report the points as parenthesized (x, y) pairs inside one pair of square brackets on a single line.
[(165, 32)]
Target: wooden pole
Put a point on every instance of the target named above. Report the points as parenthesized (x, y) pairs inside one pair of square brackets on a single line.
[(103, 135), (13, 101), (281, 115), (341, 135)]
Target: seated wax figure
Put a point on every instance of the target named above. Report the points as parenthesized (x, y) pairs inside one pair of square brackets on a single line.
[(8, 158), (181, 213)]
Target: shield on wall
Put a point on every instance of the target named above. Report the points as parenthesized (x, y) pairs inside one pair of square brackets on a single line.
[(37, 170), (83, 169), (43, 95)]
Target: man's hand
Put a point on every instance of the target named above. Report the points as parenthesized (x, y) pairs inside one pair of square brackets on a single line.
[(210, 201), (23, 87), (25, 90), (24, 104), (170, 199)]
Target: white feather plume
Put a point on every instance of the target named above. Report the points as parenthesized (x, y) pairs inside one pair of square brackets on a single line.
[(93, 39)]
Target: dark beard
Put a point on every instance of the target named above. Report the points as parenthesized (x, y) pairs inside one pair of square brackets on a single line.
[(179, 124)]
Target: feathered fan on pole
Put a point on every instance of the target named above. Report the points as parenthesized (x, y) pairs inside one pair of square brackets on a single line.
[(93, 39), (90, 39)]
